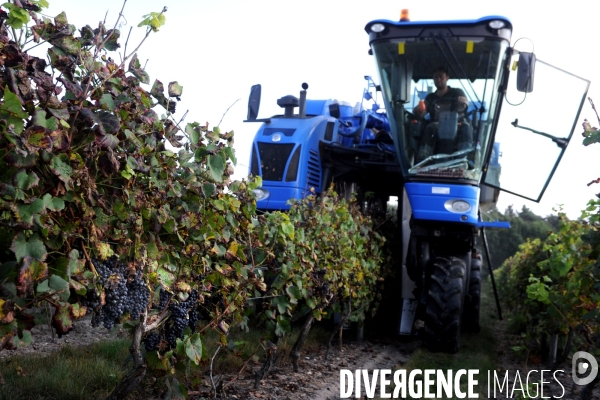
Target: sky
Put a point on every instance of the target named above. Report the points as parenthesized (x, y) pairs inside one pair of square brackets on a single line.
[(218, 49)]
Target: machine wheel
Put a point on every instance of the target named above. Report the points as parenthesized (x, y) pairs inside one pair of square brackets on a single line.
[(444, 304), (471, 308)]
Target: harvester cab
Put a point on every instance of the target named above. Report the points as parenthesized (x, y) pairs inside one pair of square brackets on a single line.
[(453, 92), (465, 115)]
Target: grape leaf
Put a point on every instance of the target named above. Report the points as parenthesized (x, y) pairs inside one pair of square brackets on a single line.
[(12, 111), (61, 320), (32, 247), (60, 285), (68, 44), (25, 181), (62, 170), (21, 342), (31, 271), (112, 38), (107, 101), (153, 20), (77, 311), (108, 123), (136, 69), (193, 348), (175, 89), (216, 166)]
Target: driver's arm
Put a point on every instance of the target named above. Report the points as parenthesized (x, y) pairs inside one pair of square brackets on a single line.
[(461, 97), (421, 110)]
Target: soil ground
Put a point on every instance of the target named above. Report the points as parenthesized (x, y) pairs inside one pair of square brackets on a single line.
[(319, 379)]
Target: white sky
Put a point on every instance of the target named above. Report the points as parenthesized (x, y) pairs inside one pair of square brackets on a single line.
[(217, 49)]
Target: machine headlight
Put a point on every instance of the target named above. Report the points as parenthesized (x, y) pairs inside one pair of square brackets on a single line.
[(460, 206), (457, 206), (496, 24), (261, 193), (377, 28)]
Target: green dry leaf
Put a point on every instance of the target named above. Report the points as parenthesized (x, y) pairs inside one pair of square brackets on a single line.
[(53, 203), (136, 69), (104, 251), (31, 271), (112, 40), (37, 138), (61, 320), (175, 89), (153, 20), (108, 123), (107, 101), (60, 113), (24, 180), (68, 44), (61, 20), (62, 169), (12, 111), (156, 362), (27, 212), (32, 247), (23, 341), (17, 16), (216, 166), (194, 132), (158, 91)]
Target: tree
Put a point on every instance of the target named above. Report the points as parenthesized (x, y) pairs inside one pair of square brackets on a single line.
[(503, 243)]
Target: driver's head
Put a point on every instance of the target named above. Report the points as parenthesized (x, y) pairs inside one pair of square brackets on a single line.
[(440, 77)]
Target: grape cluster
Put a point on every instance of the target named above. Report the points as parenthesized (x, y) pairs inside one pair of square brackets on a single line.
[(180, 318), (91, 300), (183, 314), (138, 296), (122, 295), (151, 341), (165, 296)]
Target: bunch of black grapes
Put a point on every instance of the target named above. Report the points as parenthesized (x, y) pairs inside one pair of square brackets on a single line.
[(123, 293), (183, 314), (180, 318)]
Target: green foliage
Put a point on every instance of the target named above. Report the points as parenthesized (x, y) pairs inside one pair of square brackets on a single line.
[(97, 172), (552, 286), (324, 253), (88, 170), (154, 20), (503, 243)]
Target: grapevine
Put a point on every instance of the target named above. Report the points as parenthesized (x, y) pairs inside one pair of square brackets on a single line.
[(109, 206)]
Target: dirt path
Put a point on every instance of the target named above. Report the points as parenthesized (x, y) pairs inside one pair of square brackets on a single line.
[(319, 379), (44, 342)]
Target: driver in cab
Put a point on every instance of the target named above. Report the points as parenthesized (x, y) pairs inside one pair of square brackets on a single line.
[(448, 104)]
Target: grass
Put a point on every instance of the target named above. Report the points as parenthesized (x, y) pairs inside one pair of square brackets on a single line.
[(92, 372), (89, 372)]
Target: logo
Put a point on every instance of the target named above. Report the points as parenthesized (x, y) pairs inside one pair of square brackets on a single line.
[(276, 137), (585, 368)]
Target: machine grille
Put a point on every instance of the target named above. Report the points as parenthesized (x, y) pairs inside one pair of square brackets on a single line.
[(314, 170), (273, 159)]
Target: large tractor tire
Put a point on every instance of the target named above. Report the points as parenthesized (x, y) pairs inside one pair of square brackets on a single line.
[(444, 304), (470, 320)]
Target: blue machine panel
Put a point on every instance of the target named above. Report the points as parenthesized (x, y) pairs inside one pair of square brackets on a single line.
[(444, 202)]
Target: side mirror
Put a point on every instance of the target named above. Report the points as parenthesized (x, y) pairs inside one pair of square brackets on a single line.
[(525, 72), (254, 102), (334, 110)]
